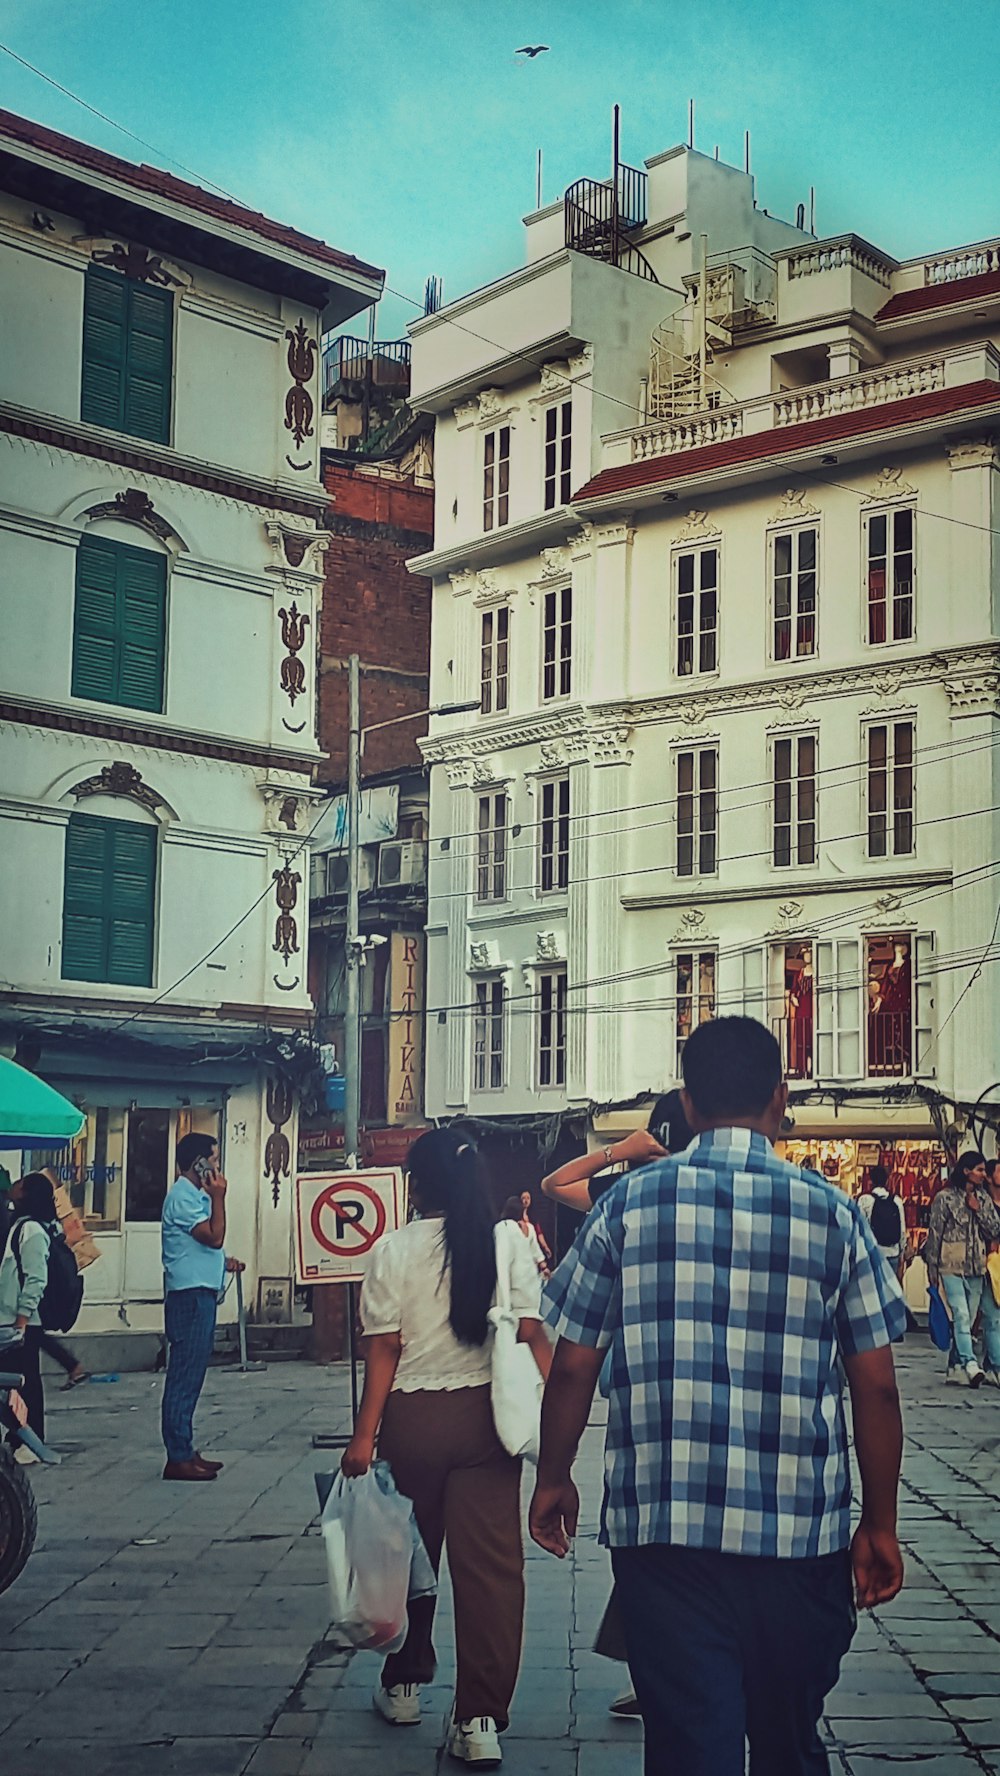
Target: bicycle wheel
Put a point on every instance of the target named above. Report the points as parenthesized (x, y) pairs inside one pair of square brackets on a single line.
[(18, 1519)]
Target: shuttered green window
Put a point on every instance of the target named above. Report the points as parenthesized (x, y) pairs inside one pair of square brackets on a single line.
[(108, 899), (119, 624), (127, 355)]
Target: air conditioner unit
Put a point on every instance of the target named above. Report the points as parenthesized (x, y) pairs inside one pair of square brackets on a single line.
[(402, 863), (336, 873)]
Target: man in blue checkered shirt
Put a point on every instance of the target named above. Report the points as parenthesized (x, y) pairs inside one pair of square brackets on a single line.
[(735, 1291)]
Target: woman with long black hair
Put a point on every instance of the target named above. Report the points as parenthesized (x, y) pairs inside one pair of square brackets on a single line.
[(426, 1402)]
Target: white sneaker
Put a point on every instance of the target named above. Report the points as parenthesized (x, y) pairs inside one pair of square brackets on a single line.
[(974, 1373), (956, 1376), (24, 1456), (399, 1705), (476, 1742)]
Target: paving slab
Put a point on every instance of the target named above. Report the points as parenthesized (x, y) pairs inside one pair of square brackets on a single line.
[(182, 1630)]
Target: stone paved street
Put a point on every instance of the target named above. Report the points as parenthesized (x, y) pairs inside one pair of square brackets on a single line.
[(171, 1630)]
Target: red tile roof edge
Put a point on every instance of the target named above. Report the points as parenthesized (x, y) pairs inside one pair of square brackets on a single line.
[(931, 296), (156, 183), (785, 440)]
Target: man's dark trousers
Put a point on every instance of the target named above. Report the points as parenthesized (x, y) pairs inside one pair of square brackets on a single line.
[(189, 1323), (725, 1648)]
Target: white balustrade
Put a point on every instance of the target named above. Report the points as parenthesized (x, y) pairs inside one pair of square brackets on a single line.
[(967, 262)]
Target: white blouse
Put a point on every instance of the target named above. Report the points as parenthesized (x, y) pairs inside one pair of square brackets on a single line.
[(407, 1290)]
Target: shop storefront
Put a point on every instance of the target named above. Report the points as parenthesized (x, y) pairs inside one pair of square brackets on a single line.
[(916, 1167)]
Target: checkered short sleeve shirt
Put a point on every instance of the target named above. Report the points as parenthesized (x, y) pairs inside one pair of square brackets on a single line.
[(729, 1285)]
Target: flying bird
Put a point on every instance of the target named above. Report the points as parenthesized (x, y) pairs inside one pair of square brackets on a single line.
[(531, 50)]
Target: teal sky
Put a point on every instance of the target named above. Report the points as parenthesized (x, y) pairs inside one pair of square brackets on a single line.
[(406, 131)]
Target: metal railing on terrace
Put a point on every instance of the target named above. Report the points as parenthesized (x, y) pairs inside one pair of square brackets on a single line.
[(385, 363)]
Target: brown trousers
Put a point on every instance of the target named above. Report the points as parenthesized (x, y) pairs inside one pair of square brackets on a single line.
[(445, 1456)]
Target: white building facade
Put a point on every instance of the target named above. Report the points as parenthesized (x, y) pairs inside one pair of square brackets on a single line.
[(717, 551), (161, 547)]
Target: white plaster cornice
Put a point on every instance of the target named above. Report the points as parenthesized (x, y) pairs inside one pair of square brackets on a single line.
[(964, 667), (973, 453)]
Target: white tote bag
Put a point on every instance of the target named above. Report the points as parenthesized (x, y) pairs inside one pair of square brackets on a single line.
[(515, 1380)]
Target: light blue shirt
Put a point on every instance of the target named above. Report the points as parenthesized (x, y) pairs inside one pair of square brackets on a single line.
[(187, 1264)]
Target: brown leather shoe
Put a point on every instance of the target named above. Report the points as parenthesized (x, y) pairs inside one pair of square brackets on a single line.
[(190, 1470), (204, 1462)]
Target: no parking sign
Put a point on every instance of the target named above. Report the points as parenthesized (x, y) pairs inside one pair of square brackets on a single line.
[(340, 1217)]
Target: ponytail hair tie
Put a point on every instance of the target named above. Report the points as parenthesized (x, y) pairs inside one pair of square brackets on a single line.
[(466, 1147)]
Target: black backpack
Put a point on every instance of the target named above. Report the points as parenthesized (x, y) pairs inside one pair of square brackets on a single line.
[(59, 1308), (885, 1220)]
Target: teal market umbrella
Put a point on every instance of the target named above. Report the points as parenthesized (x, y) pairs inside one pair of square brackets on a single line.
[(31, 1113)]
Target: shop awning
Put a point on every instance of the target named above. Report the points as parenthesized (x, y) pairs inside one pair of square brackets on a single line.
[(31, 1113)]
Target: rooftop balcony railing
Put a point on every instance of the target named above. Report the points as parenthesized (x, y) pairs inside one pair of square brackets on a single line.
[(383, 362), (789, 407), (963, 262)]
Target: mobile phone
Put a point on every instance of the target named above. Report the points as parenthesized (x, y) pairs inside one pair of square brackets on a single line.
[(204, 1169)]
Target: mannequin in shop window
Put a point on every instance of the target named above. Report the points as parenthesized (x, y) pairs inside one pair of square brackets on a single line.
[(889, 1013), (799, 1012)]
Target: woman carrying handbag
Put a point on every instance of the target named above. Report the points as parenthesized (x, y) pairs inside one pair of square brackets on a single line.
[(428, 1303)]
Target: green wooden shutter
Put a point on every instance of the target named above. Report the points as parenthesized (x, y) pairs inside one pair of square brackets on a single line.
[(83, 937), (149, 363), (108, 901), (119, 625), (105, 333), (96, 622), (131, 877), (127, 355), (142, 603)]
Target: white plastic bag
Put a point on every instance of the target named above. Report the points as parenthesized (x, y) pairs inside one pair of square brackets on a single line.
[(369, 1552), (515, 1378)]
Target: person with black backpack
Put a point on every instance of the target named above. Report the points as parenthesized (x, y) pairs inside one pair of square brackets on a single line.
[(41, 1288), (884, 1212)]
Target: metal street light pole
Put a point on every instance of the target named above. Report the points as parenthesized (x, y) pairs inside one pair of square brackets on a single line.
[(355, 947)]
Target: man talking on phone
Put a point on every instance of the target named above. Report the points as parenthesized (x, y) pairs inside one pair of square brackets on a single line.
[(194, 1270)]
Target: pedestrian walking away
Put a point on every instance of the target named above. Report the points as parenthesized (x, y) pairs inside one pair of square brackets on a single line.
[(964, 1230), (426, 1402), (579, 1184), (734, 1291), (24, 1273), (194, 1272)]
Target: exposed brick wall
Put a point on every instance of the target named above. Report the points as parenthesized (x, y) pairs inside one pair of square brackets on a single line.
[(374, 608)]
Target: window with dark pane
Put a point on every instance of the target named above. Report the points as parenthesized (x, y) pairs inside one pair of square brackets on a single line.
[(697, 611), (496, 477), (554, 835), (494, 649), (891, 789), (552, 1028), (697, 812), (558, 448), (488, 1035), (794, 559), (890, 548), (127, 358), (794, 836), (491, 872), (557, 643)]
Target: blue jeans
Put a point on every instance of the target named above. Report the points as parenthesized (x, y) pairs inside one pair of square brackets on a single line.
[(189, 1323), (725, 1648), (965, 1297)]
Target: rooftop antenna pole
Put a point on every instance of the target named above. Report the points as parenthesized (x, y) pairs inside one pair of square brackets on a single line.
[(614, 186), (812, 211), (746, 151), (538, 182), (716, 150), (690, 123)]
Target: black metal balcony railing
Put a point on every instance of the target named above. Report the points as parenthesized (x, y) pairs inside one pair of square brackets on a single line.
[(890, 1045), (381, 363)]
